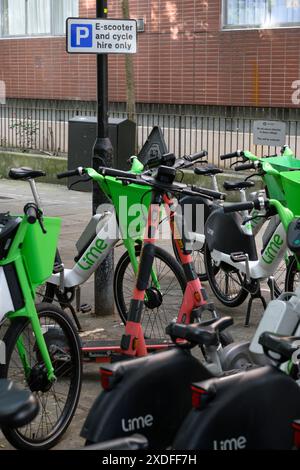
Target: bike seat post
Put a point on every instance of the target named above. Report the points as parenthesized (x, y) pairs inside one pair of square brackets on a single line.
[(214, 183), (35, 193)]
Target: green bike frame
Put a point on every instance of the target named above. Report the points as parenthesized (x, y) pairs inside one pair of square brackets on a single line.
[(130, 195), (30, 258)]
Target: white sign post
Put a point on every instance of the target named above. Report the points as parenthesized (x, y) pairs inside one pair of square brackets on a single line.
[(101, 36), (271, 133)]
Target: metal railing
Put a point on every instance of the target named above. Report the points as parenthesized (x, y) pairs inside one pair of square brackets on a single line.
[(43, 128)]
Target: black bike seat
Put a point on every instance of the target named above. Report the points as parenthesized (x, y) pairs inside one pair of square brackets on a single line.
[(24, 173), (208, 170), (286, 346), (17, 407), (199, 333), (233, 185)]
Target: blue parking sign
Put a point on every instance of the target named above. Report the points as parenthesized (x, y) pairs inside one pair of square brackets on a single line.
[(81, 35)]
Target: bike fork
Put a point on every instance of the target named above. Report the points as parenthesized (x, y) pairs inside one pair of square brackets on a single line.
[(133, 341)]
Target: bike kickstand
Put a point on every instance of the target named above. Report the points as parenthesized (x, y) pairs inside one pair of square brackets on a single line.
[(256, 295)]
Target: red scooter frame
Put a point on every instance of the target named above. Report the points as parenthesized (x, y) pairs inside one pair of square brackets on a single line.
[(194, 299)]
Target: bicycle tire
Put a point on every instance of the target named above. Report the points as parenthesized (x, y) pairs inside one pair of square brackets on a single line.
[(17, 327), (212, 272), (123, 306)]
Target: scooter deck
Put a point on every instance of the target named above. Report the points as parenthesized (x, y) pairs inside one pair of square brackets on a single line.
[(105, 350)]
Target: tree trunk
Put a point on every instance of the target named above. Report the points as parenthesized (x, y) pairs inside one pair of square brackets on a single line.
[(129, 70)]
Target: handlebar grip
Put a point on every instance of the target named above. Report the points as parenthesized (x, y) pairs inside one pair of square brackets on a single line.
[(245, 166), (209, 192), (196, 156), (239, 206), (235, 154), (68, 173), (116, 173), (30, 211)]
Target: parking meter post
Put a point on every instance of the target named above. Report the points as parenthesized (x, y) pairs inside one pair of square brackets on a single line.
[(102, 156)]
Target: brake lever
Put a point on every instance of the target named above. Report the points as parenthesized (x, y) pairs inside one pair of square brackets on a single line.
[(251, 176), (238, 161), (258, 216), (40, 220)]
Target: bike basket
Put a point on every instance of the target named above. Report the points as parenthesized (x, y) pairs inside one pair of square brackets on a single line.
[(284, 163), (291, 187), (39, 249), (131, 203), (274, 183)]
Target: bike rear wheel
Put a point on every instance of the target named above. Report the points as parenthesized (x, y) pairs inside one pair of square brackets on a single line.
[(292, 280), (58, 400), (162, 305)]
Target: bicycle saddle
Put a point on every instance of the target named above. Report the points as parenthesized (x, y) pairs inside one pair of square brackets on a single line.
[(17, 407), (233, 185), (208, 170), (198, 333), (24, 173), (285, 346)]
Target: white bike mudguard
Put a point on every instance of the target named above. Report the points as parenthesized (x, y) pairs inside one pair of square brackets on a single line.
[(281, 317), (6, 303)]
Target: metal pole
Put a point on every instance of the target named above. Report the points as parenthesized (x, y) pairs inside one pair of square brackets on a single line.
[(102, 156)]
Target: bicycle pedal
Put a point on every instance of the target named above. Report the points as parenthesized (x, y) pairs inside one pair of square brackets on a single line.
[(85, 308), (238, 257)]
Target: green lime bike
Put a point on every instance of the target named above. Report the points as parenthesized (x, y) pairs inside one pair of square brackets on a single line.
[(121, 223), (234, 260), (40, 349), (281, 175)]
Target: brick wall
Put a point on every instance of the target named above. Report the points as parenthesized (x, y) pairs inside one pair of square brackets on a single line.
[(184, 57)]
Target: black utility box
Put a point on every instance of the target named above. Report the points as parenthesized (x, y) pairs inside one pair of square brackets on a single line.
[(82, 136)]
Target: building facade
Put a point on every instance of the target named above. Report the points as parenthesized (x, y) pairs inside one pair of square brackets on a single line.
[(200, 52)]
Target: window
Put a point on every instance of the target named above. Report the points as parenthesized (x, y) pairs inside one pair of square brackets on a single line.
[(35, 17), (239, 14)]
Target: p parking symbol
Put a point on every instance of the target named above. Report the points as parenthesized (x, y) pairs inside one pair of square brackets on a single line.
[(81, 35)]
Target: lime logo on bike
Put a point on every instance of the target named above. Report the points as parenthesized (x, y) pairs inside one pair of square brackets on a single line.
[(296, 354), (137, 423), (231, 444), (272, 249), (93, 254)]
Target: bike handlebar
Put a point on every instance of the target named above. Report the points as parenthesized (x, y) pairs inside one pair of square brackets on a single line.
[(236, 154), (209, 192), (30, 210), (245, 166), (116, 173), (242, 206), (67, 174), (196, 156)]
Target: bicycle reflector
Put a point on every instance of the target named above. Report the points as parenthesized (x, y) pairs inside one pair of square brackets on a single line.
[(199, 397), (296, 428), (106, 379)]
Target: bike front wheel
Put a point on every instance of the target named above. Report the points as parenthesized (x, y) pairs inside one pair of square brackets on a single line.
[(227, 283), (58, 400), (162, 303)]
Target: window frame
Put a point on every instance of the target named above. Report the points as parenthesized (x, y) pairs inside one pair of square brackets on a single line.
[(31, 36), (225, 27)]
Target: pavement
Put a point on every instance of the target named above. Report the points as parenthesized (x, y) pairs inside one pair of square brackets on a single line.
[(75, 209)]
